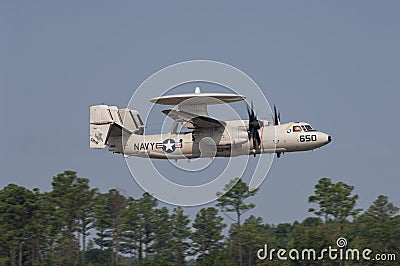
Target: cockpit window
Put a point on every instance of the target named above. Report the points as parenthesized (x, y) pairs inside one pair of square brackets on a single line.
[(308, 128), (296, 129)]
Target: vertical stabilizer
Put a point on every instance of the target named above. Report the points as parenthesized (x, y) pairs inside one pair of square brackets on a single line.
[(108, 123), (100, 125)]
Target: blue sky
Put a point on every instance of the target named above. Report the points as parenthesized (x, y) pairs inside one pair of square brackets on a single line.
[(334, 64)]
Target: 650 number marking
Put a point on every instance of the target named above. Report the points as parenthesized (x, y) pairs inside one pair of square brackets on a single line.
[(307, 138)]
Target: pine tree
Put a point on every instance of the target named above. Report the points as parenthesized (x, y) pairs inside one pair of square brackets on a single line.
[(334, 200), (180, 235), (162, 237), (236, 192), (323, 197), (378, 227), (17, 208), (131, 229), (116, 204), (208, 233), (253, 232), (68, 189), (87, 203), (102, 225), (146, 215)]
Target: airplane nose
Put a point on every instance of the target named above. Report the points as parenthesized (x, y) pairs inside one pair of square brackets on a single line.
[(329, 138)]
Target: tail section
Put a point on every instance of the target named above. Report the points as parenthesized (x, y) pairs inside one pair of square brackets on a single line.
[(108, 123)]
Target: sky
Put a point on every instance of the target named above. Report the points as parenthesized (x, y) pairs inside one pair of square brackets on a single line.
[(334, 64)]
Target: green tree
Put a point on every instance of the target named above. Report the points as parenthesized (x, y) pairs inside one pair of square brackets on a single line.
[(334, 200), (17, 209), (253, 232), (108, 222), (140, 221), (207, 233), (131, 231), (323, 197), (102, 225), (52, 243), (382, 210), (67, 196), (162, 237), (282, 233), (310, 233), (180, 235), (87, 203), (232, 200), (146, 215), (41, 224), (378, 227), (116, 204)]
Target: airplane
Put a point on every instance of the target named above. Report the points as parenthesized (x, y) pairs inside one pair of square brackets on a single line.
[(122, 130)]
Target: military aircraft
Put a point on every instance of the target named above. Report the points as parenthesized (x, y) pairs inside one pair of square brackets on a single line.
[(122, 130)]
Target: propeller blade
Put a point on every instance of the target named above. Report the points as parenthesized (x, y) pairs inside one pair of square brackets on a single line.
[(277, 116), (254, 126)]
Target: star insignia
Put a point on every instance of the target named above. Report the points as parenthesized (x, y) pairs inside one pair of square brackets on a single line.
[(169, 145)]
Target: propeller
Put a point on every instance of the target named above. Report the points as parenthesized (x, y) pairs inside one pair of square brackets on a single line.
[(277, 117), (254, 126), (277, 121)]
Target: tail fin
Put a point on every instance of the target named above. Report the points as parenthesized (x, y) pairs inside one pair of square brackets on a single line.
[(107, 124)]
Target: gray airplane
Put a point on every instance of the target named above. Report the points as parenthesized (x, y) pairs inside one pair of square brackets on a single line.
[(122, 130)]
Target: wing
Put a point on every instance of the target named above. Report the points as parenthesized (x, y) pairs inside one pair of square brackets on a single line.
[(193, 121)]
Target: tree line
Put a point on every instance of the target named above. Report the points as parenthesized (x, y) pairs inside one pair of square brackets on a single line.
[(75, 224)]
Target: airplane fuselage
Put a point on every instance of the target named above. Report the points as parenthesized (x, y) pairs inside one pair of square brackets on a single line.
[(231, 140)]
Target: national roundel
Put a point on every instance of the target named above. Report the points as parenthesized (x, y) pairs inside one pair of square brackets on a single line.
[(169, 145)]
